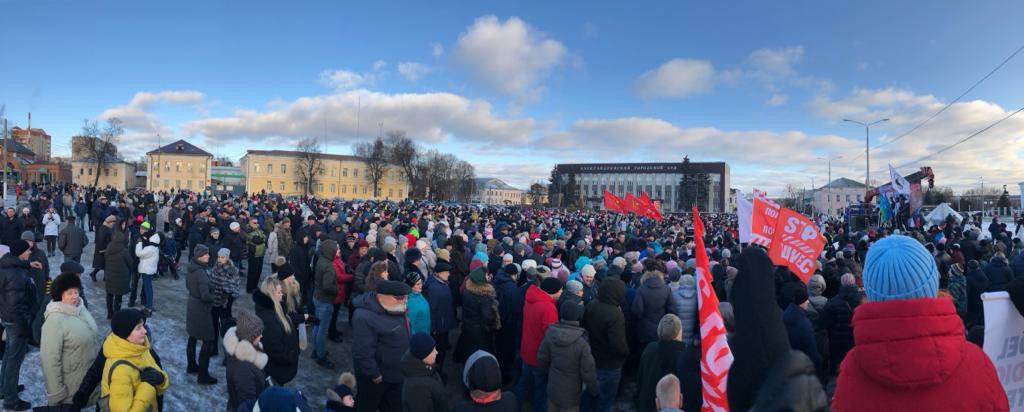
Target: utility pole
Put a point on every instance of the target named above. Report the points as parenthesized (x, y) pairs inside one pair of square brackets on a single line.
[(867, 147)]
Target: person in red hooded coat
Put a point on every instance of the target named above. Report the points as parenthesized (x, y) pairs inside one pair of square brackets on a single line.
[(539, 313), (909, 348)]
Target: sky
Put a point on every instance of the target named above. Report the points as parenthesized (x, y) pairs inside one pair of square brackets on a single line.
[(516, 87)]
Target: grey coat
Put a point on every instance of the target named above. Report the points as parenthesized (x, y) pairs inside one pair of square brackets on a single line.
[(565, 353), (198, 320), (684, 302), (72, 240)]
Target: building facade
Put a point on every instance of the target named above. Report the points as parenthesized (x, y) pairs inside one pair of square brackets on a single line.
[(843, 193), (339, 176), (115, 173), (661, 181), (494, 191), (179, 165), (35, 139)]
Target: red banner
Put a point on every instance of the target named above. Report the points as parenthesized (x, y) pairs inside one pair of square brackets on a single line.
[(650, 210), (762, 222), (612, 202), (630, 204), (797, 244), (716, 357)]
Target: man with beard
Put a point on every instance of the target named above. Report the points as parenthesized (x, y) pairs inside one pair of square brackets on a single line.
[(381, 336)]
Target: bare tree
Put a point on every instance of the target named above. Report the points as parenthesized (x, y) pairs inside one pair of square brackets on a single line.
[(405, 153), (102, 146), (375, 155), (309, 163), (536, 194)]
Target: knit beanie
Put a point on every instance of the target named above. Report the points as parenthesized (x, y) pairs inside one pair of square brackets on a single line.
[(413, 255), (124, 322), (248, 326), (18, 247), (478, 276), (420, 345), (551, 285), (442, 253), (898, 267), (570, 311), (201, 250), (285, 271), (224, 252), (573, 286), (62, 283), (71, 267)]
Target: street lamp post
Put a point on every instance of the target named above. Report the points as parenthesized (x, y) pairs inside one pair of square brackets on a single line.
[(867, 146), (830, 159)]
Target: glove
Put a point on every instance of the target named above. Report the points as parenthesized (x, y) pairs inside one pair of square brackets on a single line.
[(152, 376)]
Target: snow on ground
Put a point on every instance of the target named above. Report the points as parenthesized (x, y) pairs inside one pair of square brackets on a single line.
[(169, 338)]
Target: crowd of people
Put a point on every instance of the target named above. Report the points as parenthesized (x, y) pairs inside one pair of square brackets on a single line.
[(525, 308)]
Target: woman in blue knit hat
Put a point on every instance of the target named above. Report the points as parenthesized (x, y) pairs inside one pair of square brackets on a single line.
[(910, 352)]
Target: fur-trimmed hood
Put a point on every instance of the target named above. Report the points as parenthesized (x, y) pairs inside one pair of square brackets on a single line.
[(243, 350), (483, 289)]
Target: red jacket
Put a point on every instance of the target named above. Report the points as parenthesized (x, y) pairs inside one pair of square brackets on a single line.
[(342, 279), (911, 355), (538, 313)]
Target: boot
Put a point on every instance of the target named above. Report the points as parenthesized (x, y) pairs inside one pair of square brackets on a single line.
[(206, 379), (325, 363)]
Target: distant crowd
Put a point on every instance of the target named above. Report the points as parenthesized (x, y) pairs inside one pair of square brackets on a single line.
[(525, 308)]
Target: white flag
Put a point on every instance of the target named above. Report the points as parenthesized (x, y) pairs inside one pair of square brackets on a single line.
[(1003, 324), (745, 212), (899, 184)]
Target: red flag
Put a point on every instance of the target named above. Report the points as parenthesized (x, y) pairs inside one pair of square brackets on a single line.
[(797, 243), (612, 202), (716, 357), (762, 222), (630, 204), (651, 210)]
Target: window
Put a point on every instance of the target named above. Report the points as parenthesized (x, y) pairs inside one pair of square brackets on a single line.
[(156, 166), (115, 172), (344, 172), (270, 169), (847, 198), (296, 187), (332, 187), (320, 187), (364, 189), (399, 193), (282, 186), (81, 171), (177, 167), (391, 193), (256, 167), (355, 172), (839, 197), (177, 184), (190, 167), (858, 198), (334, 172), (321, 171), (106, 171), (344, 188), (355, 190), (284, 168), (270, 186)]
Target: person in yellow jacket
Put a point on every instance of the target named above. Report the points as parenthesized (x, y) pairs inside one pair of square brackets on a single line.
[(131, 377)]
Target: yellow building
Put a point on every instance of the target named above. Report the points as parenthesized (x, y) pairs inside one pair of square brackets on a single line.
[(179, 165), (115, 173), (340, 176)]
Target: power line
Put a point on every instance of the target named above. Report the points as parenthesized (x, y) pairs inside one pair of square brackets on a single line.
[(961, 141), (948, 105)]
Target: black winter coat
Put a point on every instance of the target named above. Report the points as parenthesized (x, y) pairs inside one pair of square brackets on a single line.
[(566, 355), (117, 264), (379, 339), (299, 259), (998, 273), (658, 359), (479, 319), (422, 389), (977, 283), (606, 325), (791, 385), (103, 235), (244, 370), (10, 229), (801, 333), (652, 301), (198, 318), (837, 318), (19, 302), (281, 346)]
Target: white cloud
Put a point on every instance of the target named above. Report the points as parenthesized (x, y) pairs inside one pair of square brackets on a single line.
[(510, 57), (345, 79), (437, 50), (142, 126), (412, 71), (427, 117), (778, 99), (379, 65), (775, 64), (676, 78)]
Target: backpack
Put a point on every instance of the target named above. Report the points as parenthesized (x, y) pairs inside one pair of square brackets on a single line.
[(104, 402)]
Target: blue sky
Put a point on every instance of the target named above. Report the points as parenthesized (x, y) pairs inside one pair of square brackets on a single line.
[(517, 87)]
